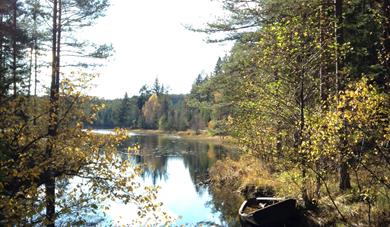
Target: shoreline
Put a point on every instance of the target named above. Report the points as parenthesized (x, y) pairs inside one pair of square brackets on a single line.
[(189, 135), (203, 136)]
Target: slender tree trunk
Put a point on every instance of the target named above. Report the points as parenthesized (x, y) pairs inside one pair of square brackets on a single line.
[(58, 45), (52, 131), (35, 51), (2, 72), (345, 180), (302, 127), (339, 38), (386, 36), (35, 56), (304, 190), (30, 71), (299, 136), (35, 67), (278, 146), (321, 85), (1, 43), (321, 68), (14, 51)]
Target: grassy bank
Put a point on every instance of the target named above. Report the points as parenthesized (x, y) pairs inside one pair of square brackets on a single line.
[(249, 177)]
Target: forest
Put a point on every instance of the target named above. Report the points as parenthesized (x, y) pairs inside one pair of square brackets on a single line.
[(304, 93), (154, 108)]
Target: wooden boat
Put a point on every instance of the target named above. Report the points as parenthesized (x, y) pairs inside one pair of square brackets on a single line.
[(267, 211)]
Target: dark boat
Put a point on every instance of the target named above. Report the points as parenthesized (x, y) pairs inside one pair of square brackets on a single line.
[(267, 211)]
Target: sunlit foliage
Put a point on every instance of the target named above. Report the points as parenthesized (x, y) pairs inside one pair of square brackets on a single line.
[(87, 165)]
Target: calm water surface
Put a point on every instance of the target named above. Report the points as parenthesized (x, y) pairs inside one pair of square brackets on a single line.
[(180, 168)]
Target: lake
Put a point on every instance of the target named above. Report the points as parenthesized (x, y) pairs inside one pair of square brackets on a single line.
[(180, 168)]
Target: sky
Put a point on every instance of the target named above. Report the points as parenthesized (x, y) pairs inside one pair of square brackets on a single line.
[(150, 41)]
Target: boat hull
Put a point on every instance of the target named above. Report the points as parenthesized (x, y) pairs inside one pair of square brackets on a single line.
[(277, 212)]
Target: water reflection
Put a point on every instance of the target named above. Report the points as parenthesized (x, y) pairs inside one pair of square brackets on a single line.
[(180, 168), (155, 151)]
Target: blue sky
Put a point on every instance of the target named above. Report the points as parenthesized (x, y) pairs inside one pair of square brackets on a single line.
[(150, 41)]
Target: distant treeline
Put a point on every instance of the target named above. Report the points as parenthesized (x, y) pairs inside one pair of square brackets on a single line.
[(154, 108)]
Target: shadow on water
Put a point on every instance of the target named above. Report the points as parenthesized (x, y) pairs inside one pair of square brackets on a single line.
[(163, 156)]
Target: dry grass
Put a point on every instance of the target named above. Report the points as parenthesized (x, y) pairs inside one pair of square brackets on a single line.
[(248, 176)]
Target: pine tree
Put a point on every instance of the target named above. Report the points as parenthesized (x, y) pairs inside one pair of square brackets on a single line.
[(124, 112)]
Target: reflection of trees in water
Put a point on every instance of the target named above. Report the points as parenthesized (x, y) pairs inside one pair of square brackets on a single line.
[(155, 151), (226, 203), (151, 157), (223, 201), (198, 157), (154, 167)]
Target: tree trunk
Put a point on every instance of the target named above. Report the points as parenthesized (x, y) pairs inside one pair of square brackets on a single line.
[(339, 38), (53, 114), (35, 37), (386, 36), (35, 67), (345, 180), (1, 43), (14, 51), (321, 85), (2, 73), (301, 98), (302, 127), (30, 71), (50, 200), (58, 46), (321, 67)]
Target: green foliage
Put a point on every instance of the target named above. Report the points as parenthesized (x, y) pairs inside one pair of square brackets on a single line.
[(123, 114), (295, 96), (154, 110), (77, 153), (361, 112)]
